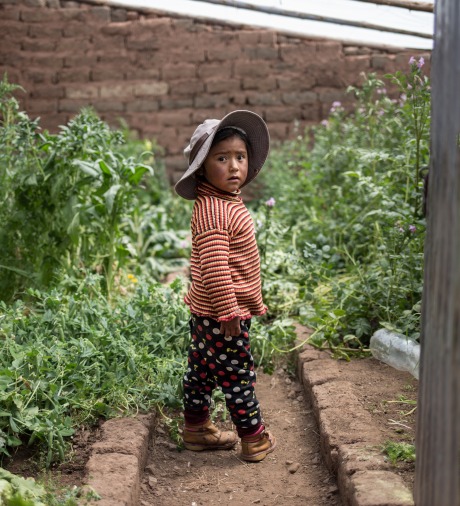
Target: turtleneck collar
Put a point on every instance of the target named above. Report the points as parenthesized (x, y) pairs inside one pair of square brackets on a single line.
[(207, 189)]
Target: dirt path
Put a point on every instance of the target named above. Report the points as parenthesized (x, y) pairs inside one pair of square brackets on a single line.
[(292, 475)]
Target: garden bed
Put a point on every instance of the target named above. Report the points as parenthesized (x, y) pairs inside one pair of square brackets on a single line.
[(381, 390)]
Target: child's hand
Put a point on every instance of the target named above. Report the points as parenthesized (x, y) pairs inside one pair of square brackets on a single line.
[(231, 328)]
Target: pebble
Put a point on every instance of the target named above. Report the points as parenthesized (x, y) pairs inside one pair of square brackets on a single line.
[(289, 462), (153, 482), (293, 468)]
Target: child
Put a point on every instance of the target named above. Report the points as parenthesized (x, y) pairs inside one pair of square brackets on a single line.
[(225, 293)]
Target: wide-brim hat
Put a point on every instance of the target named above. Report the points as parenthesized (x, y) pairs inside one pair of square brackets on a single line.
[(259, 144)]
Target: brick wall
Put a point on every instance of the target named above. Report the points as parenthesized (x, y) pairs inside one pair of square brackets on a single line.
[(164, 74)]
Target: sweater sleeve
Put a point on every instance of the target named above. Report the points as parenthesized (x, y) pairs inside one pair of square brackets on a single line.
[(213, 248)]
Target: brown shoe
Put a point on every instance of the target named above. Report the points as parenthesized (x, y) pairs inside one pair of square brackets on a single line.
[(256, 448), (207, 436)]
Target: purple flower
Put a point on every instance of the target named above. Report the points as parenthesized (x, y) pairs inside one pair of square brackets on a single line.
[(412, 60), (412, 229), (421, 62), (336, 105), (381, 112), (400, 229), (381, 91), (183, 244), (270, 202), (325, 122)]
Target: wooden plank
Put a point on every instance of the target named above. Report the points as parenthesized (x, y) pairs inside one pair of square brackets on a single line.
[(437, 480), (314, 17)]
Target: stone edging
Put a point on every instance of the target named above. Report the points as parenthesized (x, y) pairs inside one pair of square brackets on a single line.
[(349, 448)]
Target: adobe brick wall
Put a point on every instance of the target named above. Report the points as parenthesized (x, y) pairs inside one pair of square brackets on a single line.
[(164, 74)]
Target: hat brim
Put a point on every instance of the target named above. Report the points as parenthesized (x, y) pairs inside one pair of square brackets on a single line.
[(259, 143)]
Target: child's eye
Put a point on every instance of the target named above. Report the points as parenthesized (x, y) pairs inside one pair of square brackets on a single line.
[(241, 157), (222, 158)]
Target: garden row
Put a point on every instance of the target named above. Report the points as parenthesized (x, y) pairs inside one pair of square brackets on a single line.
[(89, 227)]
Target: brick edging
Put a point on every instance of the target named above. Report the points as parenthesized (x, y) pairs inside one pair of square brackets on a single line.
[(349, 446), (118, 460)]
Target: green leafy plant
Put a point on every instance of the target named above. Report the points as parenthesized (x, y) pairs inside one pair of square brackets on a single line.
[(18, 491), (347, 253), (399, 452), (68, 357)]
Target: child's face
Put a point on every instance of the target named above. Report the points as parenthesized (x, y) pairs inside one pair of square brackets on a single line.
[(226, 166)]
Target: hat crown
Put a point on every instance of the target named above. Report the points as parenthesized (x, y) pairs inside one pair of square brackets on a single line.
[(207, 127)]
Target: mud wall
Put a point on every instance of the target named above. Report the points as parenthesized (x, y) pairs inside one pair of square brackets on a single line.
[(164, 74)]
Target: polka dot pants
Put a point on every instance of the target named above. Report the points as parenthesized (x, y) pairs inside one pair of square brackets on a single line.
[(215, 360)]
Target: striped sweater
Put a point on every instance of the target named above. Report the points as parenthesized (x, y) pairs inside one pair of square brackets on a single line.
[(225, 264)]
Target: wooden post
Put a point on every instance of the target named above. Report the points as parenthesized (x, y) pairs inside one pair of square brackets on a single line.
[(437, 480)]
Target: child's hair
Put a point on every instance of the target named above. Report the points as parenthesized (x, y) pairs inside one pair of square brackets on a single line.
[(230, 131)]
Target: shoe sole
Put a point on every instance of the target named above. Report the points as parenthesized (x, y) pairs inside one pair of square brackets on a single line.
[(199, 448)]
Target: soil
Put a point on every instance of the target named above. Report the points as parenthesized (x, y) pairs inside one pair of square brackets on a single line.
[(293, 474), (27, 462), (390, 397)]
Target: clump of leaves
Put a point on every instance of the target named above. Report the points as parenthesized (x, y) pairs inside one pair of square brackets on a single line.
[(84, 197), (17, 491), (343, 246), (399, 452), (68, 357)]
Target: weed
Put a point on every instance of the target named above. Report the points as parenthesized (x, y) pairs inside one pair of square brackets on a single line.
[(399, 452)]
